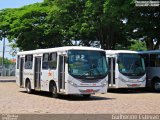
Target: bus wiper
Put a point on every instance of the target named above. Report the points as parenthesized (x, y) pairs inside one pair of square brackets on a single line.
[(83, 75), (90, 77)]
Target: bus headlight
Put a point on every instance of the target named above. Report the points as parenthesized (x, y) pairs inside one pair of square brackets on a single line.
[(73, 84), (104, 83), (123, 80), (144, 79)]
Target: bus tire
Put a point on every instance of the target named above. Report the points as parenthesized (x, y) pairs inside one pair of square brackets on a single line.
[(54, 91), (156, 85), (86, 96), (28, 87)]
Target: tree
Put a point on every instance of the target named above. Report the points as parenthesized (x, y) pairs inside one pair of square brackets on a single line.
[(109, 24), (5, 21), (68, 22), (143, 23), (107, 19), (137, 45), (66, 17), (6, 61), (28, 27), (89, 22)]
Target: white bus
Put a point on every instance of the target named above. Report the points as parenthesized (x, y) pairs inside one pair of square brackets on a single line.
[(63, 70), (126, 69), (152, 63)]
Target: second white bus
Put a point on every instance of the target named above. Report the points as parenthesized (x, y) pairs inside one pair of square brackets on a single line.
[(127, 69), (152, 63), (63, 70)]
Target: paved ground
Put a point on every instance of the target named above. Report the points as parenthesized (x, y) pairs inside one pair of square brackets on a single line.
[(15, 100)]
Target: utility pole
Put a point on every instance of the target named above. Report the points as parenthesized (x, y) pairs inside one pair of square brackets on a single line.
[(3, 66)]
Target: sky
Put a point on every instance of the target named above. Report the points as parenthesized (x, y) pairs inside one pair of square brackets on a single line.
[(12, 4), (16, 3)]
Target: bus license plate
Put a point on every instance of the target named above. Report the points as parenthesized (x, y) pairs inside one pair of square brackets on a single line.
[(134, 85), (89, 91)]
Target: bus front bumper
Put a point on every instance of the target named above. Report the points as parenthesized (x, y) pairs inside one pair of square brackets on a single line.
[(86, 90)]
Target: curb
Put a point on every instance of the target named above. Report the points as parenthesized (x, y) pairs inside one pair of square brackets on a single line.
[(7, 80)]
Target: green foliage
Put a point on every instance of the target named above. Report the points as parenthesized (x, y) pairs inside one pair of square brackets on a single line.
[(28, 27), (138, 45), (88, 22), (54, 23), (143, 22), (65, 19), (5, 21), (6, 61)]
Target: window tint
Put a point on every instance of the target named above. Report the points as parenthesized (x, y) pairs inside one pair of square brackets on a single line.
[(53, 61), (131, 64), (28, 61), (86, 64), (45, 61), (154, 60), (49, 61), (18, 62)]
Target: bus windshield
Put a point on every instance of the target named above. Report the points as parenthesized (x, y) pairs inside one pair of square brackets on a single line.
[(87, 64), (131, 64)]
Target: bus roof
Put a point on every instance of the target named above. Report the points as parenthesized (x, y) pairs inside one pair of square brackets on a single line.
[(150, 51), (119, 51), (58, 49)]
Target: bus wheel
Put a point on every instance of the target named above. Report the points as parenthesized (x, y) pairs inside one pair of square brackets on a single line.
[(54, 91), (86, 96), (28, 87), (157, 86)]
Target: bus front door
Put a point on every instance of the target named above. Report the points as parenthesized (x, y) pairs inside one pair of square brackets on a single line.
[(111, 75), (37, 73), (61, 73), (21, 72)]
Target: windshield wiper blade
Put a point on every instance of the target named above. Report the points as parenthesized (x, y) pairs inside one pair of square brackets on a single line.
[(90, 77)]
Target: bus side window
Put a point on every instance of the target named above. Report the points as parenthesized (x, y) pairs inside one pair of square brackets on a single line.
[(156, 60), (53, 60), (28, 61), (45, 61), (18, 62)]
